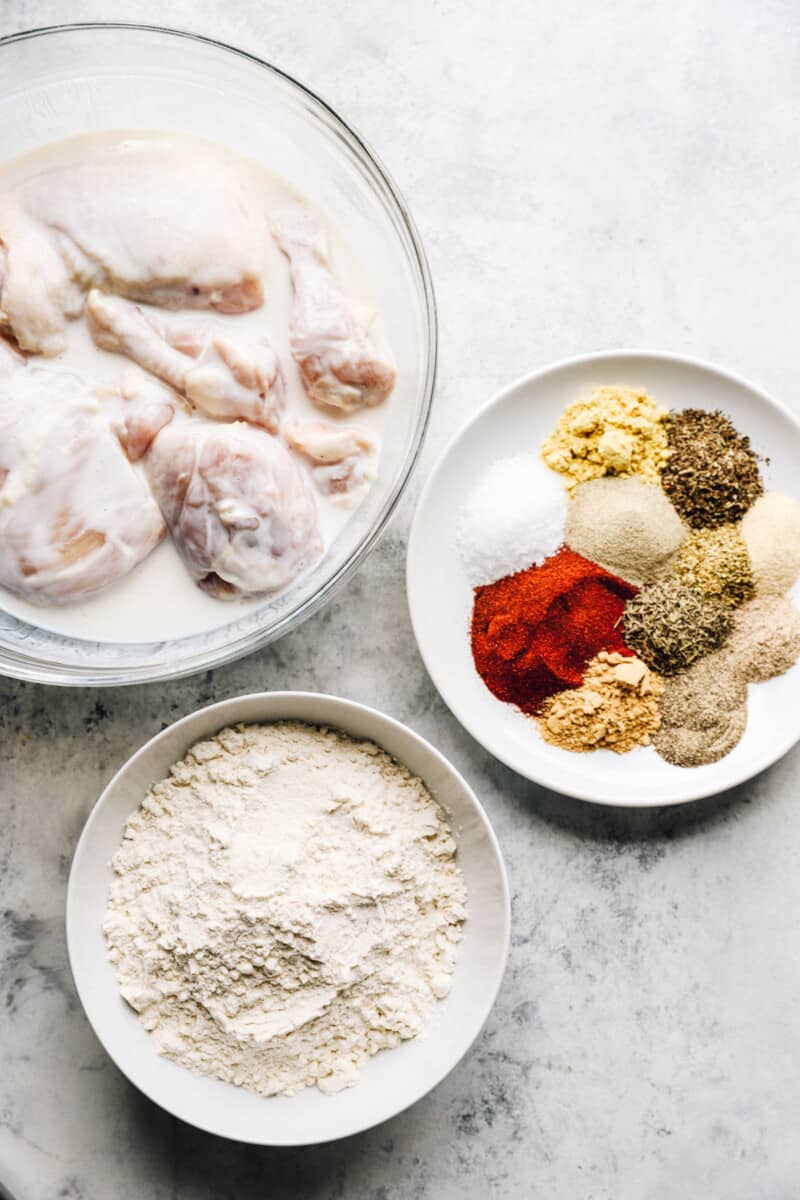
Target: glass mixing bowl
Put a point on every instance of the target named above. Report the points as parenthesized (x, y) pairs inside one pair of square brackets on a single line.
[(73, 79)]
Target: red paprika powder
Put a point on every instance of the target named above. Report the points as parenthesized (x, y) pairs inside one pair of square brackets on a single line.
[(534, 632)]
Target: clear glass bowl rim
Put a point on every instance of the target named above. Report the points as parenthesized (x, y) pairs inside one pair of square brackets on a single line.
[(34, 671)]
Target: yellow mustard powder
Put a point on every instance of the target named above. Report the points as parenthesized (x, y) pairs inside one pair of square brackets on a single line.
[(613, 431)]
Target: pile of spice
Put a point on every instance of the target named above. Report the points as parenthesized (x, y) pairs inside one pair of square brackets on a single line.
[(716, 563), (614, 431), (765, 641), (616, 707), (534, 632), (667, 598), (626, 525), (513, 517), (703, 713), (704, 710), (771, 532), (671, 626), (711, 474)]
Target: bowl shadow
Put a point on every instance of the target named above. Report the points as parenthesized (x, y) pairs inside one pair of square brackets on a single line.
[(608, 823), (203, 1164)]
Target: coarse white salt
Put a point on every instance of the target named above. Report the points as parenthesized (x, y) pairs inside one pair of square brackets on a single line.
[(513, 517)]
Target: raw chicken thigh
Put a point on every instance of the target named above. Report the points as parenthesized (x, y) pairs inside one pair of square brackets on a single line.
[(174, 223), (238, 507), (74, 514), (341, 454), (226, 375), (341, 367)]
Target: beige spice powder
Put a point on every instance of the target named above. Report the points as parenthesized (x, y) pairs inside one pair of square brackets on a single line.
[(771, 531), (615, 708), (626, 525), (765, 641)]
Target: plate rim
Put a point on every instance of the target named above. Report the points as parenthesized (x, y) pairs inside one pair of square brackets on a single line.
[(72, 921), (616, 800)]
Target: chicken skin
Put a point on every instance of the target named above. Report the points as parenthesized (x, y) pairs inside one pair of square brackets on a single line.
[(225, 375), (341, 367), (74, 514), (240, 510), (176, 224)]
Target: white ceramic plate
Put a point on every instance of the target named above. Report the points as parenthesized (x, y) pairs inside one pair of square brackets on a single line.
[(440, 597), (391, 1080)]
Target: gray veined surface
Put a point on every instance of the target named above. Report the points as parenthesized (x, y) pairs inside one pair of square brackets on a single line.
[(583, 176)]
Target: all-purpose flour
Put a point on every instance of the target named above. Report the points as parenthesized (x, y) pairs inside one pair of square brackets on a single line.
[(286, 903)]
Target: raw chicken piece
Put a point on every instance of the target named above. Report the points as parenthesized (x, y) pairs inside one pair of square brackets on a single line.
[(341, 455), (9, 357), (5, 326), (229, 376), (341, 367), (74, 515), (153, 407), (174, 223), (324, 443), (239, 508)]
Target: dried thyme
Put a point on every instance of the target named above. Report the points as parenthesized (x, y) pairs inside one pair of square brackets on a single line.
[(671, 626), (712, 475)]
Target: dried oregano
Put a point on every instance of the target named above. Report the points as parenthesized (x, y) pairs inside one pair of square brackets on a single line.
[(671, 626), (716, 563), (711, 475)]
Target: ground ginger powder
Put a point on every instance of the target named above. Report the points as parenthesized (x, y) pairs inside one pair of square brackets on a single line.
[(614, 431), (615, 708)]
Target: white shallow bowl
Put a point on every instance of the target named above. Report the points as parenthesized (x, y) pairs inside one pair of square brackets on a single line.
[(392, 1079), (440, 596), (77, 79)]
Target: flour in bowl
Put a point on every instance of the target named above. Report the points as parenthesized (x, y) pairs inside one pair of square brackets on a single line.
[(285, 904)]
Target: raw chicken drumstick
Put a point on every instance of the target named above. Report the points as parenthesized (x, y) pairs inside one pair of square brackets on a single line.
[(340, 454), (341, 367), (152, 407), (228, 376), (239, 509), (178, 225), (74, 514)]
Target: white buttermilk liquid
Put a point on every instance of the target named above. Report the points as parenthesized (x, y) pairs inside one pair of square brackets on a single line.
[(158, 599)]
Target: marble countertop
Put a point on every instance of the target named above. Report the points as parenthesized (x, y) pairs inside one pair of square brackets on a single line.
[(583, 176)]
